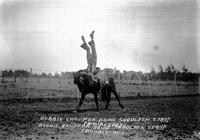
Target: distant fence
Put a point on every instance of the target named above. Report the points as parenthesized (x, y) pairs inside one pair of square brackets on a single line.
[(63, 84), (29, 81), (10, 76)]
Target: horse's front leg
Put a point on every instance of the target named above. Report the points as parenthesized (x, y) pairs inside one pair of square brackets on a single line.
[(81, 101), (96, 101)]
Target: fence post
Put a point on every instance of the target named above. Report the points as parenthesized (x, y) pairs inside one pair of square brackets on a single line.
[(2, 80), (199, 84), (140, 84), (38, 78), (175, 83), (28, 85), (15, 80), (148, 84), (118, 82), (141, 87)]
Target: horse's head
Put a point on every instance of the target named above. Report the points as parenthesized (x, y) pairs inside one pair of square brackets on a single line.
[(78, 79), (78, 76), (84, 81)]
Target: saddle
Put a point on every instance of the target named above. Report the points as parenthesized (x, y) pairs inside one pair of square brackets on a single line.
[(98, 75)]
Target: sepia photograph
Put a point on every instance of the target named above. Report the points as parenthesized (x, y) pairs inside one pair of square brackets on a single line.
[(99, 70)]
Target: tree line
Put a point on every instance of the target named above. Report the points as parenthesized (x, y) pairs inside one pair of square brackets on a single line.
[(25, 73), (169, 73)]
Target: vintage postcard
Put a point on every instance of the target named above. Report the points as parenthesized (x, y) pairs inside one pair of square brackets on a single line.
[(99, 69)]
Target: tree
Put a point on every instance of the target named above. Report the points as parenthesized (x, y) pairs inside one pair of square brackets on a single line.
[(44, 75), (10, 73), (184, 69), (49, 75), (116, 74), (108, 71), (160, 73), (22, 73), (160, 68), (57, 75), (173, 69), (184, 74), (168, 74), (153, 73), (168, 69), (124, 75)]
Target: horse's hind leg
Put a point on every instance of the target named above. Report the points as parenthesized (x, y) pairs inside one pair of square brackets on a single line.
[(108, 99), (96, 101), (117, 97), (113, 89), (81, 101)]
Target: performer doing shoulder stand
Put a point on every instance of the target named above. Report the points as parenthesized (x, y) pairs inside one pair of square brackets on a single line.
[(91, 57), (92, 61)]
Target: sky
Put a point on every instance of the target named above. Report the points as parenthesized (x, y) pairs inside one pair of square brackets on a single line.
[(45, 35)]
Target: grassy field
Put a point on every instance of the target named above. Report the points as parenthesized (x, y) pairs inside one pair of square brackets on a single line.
[(59, 88), (20, 118)]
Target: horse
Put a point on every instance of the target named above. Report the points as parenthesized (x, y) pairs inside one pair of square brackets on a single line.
[(88, 83)]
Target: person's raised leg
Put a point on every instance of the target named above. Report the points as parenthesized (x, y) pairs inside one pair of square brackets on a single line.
[(88, 54), (91, 43), (93, 67), (94, 53), (92, 35), (89, 68)]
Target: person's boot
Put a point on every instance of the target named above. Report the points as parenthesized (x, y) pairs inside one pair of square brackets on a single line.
[(83, 39), (91, 43), (84, 45), (92, 35)]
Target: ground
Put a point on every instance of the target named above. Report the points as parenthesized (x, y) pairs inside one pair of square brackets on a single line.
[(22, 119), (33, 108)]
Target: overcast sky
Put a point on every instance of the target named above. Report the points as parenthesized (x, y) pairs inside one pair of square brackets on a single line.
[(130, 34)]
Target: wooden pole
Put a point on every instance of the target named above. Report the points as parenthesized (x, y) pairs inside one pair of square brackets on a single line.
[(15, 80), (148, 85), (140, 84), (38, 79), (30, 74), (2, 80), (199, 84), (175, 83)]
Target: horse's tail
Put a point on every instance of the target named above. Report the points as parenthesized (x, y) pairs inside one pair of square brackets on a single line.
[(110, 87)]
